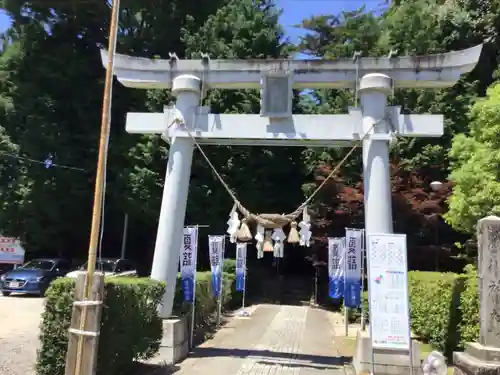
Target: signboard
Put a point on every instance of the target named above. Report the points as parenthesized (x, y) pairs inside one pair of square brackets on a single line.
[(336, 258), (352, 292), (188, 262), (11, 251), (388, 291)]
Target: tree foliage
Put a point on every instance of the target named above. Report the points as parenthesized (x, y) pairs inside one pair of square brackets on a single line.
[(475, 172), (51, 84)]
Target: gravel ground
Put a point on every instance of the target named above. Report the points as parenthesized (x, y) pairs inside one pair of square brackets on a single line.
[(20, 318)]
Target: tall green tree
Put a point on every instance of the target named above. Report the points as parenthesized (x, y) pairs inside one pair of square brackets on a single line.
[(264, 179), (475, 172), (51, 99), (415, 28)]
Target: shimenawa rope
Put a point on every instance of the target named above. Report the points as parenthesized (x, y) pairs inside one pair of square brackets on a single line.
[(270, 221)]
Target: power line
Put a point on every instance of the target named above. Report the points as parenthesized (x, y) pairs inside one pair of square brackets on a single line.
[(47, 162), (381, 2)]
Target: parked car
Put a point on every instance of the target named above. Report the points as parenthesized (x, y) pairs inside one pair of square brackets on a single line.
[(33, 277), (110, 267)]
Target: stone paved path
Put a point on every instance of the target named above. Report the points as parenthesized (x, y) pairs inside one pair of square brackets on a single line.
[(276, 340)]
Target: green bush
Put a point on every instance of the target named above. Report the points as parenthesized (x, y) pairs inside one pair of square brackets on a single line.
[(230, 266), (434, 308), (354, 315), (130, 327), (205, 302), (469, 307)]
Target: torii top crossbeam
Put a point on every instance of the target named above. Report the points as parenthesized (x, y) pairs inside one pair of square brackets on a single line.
[(430, 71)]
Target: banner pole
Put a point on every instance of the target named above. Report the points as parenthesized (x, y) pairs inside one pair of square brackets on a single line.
[(241, 271), (316, 286), (363, 270), (370, 307), (244, 278), (193, 308), (243, 298), (346, 312), (219, 312)]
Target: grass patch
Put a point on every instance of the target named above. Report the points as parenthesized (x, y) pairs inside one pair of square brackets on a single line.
[(425, 350), (345, 346)]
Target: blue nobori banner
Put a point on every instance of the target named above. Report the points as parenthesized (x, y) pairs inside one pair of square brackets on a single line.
[(336, 258)]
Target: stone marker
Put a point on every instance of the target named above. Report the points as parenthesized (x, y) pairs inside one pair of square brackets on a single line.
[(483, 357)]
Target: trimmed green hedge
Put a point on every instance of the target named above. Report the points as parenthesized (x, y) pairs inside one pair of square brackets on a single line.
[(206, 304), (435, 308), (469, 307), (130, 327)]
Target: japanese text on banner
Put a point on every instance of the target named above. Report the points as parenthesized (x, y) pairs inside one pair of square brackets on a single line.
[(241, 265), (352, 291), (336, 259), (216, 249), (188, 262)]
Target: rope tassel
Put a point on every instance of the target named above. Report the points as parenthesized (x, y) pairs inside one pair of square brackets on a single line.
[(293, 235), (244, 233), (268, 242)]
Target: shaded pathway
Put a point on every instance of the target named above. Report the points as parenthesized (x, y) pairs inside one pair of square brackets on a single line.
[(284, 340)]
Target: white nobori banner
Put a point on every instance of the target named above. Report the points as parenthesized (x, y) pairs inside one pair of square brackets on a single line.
[(216, 248), (241, 265), (352, 286)]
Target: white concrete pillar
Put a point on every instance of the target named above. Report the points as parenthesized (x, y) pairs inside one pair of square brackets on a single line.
[(373, 90), (175, 193)]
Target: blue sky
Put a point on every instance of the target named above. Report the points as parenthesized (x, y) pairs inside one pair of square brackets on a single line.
[(294, 11)]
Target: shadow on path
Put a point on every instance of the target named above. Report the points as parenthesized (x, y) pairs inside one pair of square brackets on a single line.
[(299, 360)]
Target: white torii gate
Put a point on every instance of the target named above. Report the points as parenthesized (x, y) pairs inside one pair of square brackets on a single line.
[(276, 126)]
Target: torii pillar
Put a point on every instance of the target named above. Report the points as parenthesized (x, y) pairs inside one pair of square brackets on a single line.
[(187, 89), (373, 90)]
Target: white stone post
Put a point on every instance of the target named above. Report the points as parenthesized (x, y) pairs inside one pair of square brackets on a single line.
[(175, 193), (373, 90)]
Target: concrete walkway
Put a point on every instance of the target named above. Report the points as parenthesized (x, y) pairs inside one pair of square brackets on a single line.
[(275, 340)]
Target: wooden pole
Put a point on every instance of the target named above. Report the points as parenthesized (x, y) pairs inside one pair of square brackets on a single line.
[(98, 194), (90, 333), (124, 236)]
